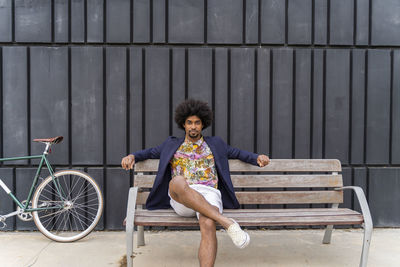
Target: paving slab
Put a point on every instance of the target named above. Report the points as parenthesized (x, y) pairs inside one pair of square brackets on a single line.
[(179, 248)]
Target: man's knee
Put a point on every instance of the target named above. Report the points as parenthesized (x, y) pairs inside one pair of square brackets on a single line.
[(177, 186), (207, 224)]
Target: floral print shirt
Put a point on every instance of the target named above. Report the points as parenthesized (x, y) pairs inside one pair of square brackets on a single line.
[(195, 162)]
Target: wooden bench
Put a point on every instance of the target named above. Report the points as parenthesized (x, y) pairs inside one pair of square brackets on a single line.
[(291, 181)]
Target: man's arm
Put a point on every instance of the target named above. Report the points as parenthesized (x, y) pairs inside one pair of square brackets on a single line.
[(129, 161), (249, 157)]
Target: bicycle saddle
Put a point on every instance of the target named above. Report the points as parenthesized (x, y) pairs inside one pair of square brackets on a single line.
[(53, 140)]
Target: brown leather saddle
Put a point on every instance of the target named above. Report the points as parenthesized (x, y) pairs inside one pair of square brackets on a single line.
[(53, 140)]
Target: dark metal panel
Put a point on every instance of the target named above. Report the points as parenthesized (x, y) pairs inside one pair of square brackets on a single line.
[(49, 99), (341, 22), (15, 99), (378, 107), (87, 105), (337, 105), (95, 21), (263, 100), (6, 203), (385, 28), (200, 77), (141, 21), (98, 175), (117, 188), (118, 21), (362, 22), (347, 194), (136, 99), (178, 84), (320, 21), (357, 107), (224, 21), (302, 112), (317, 104), (384, 197), (360, 179), (242, 98), (33, 20), (157, 93), (186, 21), (251, 21), (5, 21), (116, 87), (60, 21), (282, 103), (299, 21), (23, 181), (396, 109), (77, 21), (159, 21), (221, 93), (272, 22)]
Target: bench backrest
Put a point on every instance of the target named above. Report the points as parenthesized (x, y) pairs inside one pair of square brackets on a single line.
[(283, 181)]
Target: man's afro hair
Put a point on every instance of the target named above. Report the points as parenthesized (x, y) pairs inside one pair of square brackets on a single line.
[(191, 107)]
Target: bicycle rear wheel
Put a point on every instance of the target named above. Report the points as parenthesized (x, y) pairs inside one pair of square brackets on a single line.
[(71, 205)]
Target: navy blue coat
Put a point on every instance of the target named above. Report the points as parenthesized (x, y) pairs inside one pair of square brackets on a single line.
[(158, 197)]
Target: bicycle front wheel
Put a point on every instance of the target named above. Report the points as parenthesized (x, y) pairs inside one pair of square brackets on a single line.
[(70, 206)]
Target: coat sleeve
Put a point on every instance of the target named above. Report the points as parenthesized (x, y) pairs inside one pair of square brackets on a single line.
[(149, 153), (245, 156)]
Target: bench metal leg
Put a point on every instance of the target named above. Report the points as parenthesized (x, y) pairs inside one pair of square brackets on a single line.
[(130, 211), (366, 242), (329, 228), (140, 236), (368, 225)]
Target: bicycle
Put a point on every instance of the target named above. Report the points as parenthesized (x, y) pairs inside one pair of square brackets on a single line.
[(65, 206)]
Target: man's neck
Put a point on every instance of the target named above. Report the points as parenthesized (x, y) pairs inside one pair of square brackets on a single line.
[(193, 140)]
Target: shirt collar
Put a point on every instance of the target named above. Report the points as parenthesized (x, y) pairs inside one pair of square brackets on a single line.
[(198, 142)]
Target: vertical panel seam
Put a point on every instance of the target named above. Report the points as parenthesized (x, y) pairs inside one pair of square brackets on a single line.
[(365, 107), (128, 99), (143, 97), (28, 106), (229, 97), (355, 22), (52, 20), (104, 107), (271, 78), (151, 22), (328, 23), (213, 89), (85, 26), (166, 21), (69, 108), (255, 99), (286, 22), (391, 106), (244, 21), (350, 108), (186, 73), (294, 104), (369, 22), (205, 38), (131, 21), (13, 21), (313, 22), (312, 105), (105, 23), (324, 105), (1, 105), (69, 21), (170, 82), (259, 22)]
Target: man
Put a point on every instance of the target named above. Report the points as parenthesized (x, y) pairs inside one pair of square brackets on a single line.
[(193, 177)]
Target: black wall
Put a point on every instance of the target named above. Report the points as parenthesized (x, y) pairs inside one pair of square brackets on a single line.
[(292, 79)]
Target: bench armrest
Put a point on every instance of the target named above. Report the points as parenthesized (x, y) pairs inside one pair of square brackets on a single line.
[(131, 207), (363, 203)]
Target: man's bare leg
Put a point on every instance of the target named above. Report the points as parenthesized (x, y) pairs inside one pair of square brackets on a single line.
[(208, 243), (182, 193)]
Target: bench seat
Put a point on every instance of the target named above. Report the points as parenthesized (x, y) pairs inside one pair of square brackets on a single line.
[(257, 217)]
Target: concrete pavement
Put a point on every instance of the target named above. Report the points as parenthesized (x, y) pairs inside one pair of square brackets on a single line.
[(179, 248)]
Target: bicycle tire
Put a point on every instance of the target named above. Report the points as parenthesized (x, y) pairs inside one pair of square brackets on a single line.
[(77, 213)]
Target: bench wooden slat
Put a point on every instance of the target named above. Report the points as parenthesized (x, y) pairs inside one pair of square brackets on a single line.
[(252, 220), (273, 181), (275, 165), (281, 197), (272, 211), (261, 214)]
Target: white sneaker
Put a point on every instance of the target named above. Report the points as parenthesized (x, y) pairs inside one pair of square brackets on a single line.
[(240, 238)]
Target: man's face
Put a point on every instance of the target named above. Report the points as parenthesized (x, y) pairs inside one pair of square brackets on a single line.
[(193, 127)]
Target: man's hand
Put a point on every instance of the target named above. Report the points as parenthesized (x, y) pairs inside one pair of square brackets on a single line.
[(128, 162), (262, 160)]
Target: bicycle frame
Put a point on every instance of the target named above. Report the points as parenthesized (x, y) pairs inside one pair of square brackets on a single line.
[(43, 159)]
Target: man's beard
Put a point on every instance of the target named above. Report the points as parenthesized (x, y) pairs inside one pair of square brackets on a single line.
[(194, 135)]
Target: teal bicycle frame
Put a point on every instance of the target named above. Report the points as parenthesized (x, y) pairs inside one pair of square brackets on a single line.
[(43, 159)]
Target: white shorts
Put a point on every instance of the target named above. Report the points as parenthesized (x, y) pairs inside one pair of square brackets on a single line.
[(212, 195)]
